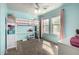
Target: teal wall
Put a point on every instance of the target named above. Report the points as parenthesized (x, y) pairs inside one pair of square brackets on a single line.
[(3, 13), (71, 18)]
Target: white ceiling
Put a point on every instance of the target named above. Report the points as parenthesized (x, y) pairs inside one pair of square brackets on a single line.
[(30, 7)]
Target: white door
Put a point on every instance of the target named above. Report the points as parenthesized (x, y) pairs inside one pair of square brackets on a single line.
[(11, 36), (11, 41)]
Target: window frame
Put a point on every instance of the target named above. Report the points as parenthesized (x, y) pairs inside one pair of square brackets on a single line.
[(43, 25), (55, 24)]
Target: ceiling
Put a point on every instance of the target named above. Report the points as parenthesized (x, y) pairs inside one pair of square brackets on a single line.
[(32, 7)]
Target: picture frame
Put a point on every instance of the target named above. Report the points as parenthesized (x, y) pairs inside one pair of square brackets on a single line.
[(11, 29)]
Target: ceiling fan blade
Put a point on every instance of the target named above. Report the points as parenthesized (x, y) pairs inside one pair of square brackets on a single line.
[(36, 5)]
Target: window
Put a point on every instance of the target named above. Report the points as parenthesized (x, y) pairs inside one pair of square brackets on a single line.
[(44, 26), (55, 25)]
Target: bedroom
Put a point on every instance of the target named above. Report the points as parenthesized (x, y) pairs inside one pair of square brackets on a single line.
[(23, 23)]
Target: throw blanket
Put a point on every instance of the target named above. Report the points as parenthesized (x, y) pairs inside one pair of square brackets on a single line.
[(75, 41)]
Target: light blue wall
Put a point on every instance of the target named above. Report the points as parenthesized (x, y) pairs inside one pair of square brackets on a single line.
[(71, 17), (22, 29), (3, 12), (23, 32), (23, 15)]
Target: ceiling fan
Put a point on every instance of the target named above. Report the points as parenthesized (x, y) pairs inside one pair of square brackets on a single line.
[(39, 6), (36, 5)]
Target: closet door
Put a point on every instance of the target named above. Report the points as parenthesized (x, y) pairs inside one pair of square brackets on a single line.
[(11, 41), (11, 37)]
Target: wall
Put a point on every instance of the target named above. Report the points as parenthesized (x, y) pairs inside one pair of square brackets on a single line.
[(23, 15), (71, 19), (3, 12), (71, 16), (22, 30)]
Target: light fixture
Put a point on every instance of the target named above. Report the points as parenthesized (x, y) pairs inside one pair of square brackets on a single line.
[(37, 10)]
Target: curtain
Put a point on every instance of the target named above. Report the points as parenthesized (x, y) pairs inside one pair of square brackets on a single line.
[(62, 24)]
